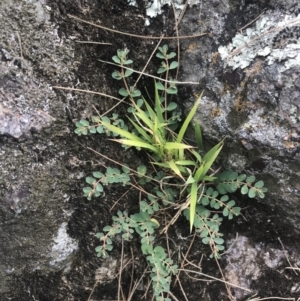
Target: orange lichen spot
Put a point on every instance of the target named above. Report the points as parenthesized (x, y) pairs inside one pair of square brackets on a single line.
[(192, 46), (214, 58), (226, 88), (215, 112), (290, 145), (240, 104), (254, 69)]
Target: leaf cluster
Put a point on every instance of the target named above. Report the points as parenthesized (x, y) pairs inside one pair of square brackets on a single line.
[(183, 174), (230, 181), (111, 176), (83, 127), (162, 267)]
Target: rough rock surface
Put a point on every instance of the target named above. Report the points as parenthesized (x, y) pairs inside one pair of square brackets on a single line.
[(250, 74), (251, 95)]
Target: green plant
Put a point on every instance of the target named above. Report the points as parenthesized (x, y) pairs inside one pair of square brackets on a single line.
[(183, 178), (83, 127), (112, 176), (162, 267)]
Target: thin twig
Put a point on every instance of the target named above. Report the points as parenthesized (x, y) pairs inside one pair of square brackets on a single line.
[(86, 91), (271, 298), (91, 42), (147, 289), (172, 295), (176, 216), (223, 277), (240, 30), (197, 267), (231, 246), (132, 271), (92, 291), (214, 278), (149, 59), (120, 271), (286, 255), (186, 254), (292, 268), (93, 92), (149, 75), (181, 287), (118, 163), (178, 43), (180, 209), (117, 201), (135, 35), (167, 240), (20, 44), (135, 286), (124, 266), (181, 14)]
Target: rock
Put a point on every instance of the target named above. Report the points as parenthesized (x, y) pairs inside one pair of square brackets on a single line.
[(251, 94), (33, 201), (248, 262)]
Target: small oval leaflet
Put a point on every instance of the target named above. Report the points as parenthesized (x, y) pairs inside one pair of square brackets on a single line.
[(244, 189), (90, 180), (174, 65), (172, 106), (252, 193)]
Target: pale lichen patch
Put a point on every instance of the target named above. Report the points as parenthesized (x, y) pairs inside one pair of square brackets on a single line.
[(261, 40)]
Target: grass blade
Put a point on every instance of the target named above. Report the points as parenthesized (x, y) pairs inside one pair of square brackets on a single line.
[(137, 144), (210, 158), (185, 162), (158, 105), (198, 157), (141, 131), (175, 145), (152, 114), (188, 120), (175, 168), (143, 116), (121, 132), (198, 136), (193, 203), (199, 172)]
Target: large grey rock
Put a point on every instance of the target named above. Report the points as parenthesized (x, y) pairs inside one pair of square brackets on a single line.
[(247, 262), (251, 77), (34, 182)]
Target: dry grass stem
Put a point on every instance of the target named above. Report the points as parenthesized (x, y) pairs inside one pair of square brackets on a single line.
[(147, 63), (20, 44), (181, 14), (152, 76), (185, 255), (92, 42), (242, 28), (86, 91), (287, 256), (172, 295), (216, 279), (120, 272), (135, 35), (223, 277), (177, 35), (272, 298), (120, 198)]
